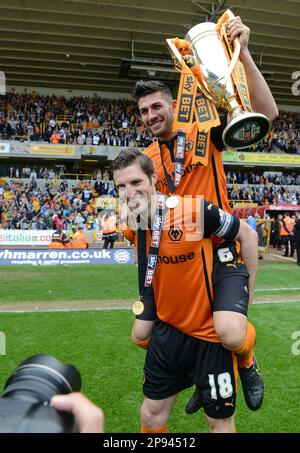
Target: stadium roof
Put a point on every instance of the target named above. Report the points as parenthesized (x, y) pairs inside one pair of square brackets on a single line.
[(106, 45)]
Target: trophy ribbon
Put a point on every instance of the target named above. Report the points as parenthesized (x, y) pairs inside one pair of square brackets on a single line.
[(236, 68), (184, 112), (192, 104)]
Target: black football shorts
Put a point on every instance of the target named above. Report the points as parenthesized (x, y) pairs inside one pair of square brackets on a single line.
[(230, 281), (175, 361)]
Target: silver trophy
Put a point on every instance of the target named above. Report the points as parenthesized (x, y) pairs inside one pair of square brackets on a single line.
[(221, 78)]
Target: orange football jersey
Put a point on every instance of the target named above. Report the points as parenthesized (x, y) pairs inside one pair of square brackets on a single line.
[(197, 178)]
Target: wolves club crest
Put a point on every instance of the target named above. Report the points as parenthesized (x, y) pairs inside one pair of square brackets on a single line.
[(175, 233)]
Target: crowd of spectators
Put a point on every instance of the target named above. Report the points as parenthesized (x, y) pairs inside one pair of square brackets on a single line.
[(25, 203), (69, 171), (276, 177), (96, 121), (263, 194), (264, 146), (263, 188), (34, 172), (24, 206), (78, 120), (286, 132)]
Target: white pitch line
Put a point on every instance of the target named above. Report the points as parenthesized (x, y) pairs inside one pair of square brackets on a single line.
[(283, 257), (258, 290), (63, 310), (70, 310), (275, 301)]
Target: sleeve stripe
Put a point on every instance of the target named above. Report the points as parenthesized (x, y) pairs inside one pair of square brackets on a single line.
[(226, 224)]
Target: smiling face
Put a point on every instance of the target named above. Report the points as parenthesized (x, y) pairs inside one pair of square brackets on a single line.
[(157, 113), (135, 189)]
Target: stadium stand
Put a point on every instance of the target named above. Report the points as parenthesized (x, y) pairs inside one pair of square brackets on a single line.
[(78, 120), (86, 133), (96, 121)]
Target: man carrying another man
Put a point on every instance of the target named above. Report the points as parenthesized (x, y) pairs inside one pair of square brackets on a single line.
[(184, 348), (206, 177)]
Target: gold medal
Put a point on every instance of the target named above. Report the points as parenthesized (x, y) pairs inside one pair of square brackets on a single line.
[(138, 307), (172, 202)]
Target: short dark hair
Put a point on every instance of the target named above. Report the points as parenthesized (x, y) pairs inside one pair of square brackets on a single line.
[(132, 156), (144, 87)]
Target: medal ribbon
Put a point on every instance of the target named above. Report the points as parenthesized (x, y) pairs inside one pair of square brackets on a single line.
[(155, 240), (179, 161)]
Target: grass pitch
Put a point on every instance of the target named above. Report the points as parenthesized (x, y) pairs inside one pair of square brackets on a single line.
[(98, 343), (116, 282), (78, 282)]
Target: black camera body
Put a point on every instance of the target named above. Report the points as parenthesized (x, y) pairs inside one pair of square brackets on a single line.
[(25, 402), (21, 417)]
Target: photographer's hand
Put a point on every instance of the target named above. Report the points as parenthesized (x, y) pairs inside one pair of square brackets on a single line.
[(88, 417)]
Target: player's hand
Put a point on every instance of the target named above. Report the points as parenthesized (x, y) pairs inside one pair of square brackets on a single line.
[(236, 29), (88, 417)]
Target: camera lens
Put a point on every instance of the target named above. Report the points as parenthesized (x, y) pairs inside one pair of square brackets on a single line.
[(40, 377)]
